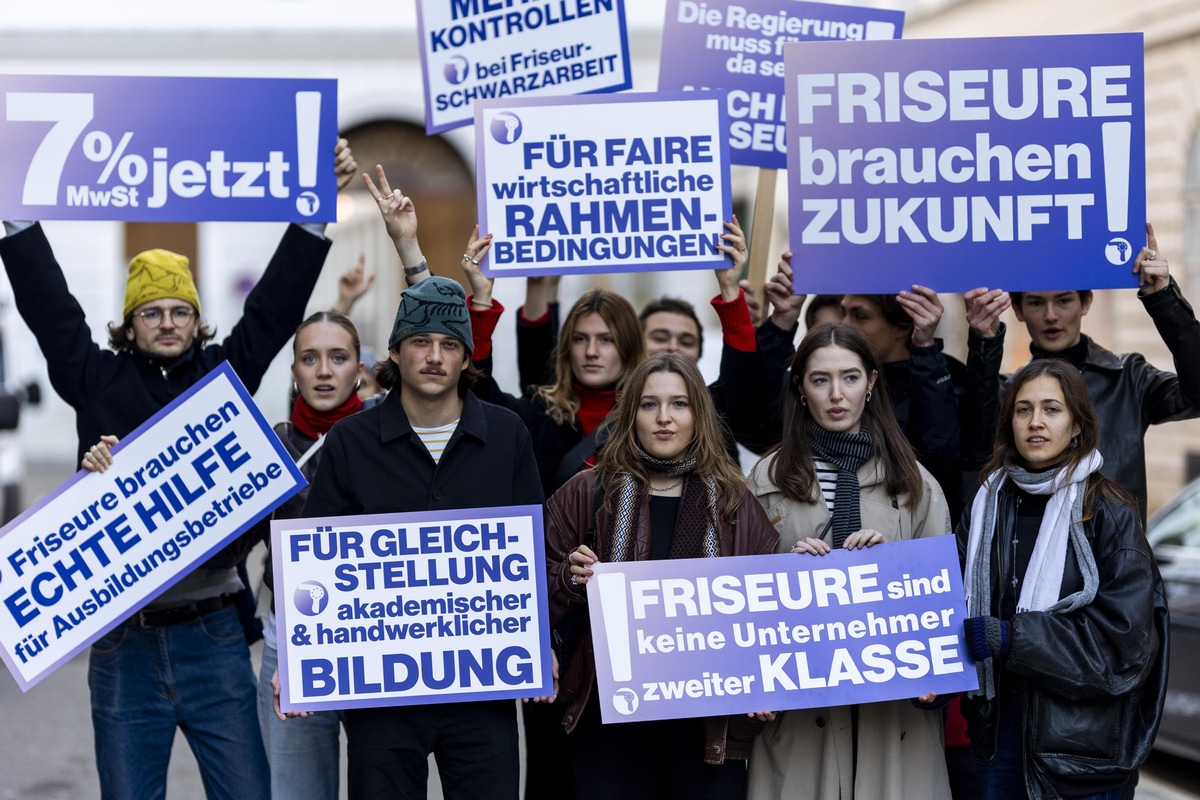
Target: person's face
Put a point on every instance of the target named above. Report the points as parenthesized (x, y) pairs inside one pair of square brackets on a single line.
[(1053, 319), (830, 314), (430, 365), (367, 385), (667, 331), (665, 426), (595, 361), (166, 328), (835, 387), (889, 342), (1042, 425), (324, 365)]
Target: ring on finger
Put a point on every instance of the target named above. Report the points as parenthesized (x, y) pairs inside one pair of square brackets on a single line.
[(1153, 255)]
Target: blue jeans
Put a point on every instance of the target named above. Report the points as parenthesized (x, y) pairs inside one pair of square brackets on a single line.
[(304, 751), (196, 676)]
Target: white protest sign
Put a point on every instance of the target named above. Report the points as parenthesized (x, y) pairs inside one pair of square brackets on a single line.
[(410, 609), (473, 50), (628, 183), (102, 545)]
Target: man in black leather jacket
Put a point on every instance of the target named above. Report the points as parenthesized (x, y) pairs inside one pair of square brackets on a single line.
[(1128, 393)]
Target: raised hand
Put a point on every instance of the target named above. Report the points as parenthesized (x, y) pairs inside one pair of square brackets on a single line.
[(923, 305), (344, 165), (984, 307), (1151, 268)]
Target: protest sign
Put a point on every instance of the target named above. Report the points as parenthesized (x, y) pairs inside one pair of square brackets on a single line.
[(411, 609), (89, 554), (168, 149), (705, 637), (630, 183), (474, 50), (739, 47), (1016, 163)]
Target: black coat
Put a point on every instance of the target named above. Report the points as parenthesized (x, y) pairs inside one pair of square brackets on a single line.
[(1092, 682), (114, 393), (373, 462), (1128, 393)]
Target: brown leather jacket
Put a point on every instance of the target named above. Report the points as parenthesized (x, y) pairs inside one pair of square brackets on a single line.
[(567, 513)]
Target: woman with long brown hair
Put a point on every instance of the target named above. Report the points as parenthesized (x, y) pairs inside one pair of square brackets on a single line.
[(845, 477), (1067, 615), (664, 487)]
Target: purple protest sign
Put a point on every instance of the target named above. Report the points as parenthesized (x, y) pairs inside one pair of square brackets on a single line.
[(602, 183), (474, 50), (88, 555), (739, 47), (410, 609), (168, 149), (955, 163), (705, 637)]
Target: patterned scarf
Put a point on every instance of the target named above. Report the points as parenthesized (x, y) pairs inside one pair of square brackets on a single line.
[(697, 507), (1042, 583), (848, 452)]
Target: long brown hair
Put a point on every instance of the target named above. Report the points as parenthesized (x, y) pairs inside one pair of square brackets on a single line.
[(1078, 405), (620, 452), (793, 470), (562, 401)]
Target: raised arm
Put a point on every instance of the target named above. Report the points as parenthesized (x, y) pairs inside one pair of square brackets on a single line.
[(1167, 396)]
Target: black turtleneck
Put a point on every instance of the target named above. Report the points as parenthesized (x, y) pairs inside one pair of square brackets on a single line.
[(1076, 353)]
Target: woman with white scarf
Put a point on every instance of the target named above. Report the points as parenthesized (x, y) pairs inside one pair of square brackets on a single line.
[(1067, 618), (664, 487)]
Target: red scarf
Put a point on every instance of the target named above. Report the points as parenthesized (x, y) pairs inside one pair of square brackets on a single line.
[(313, 423), (594, 405)]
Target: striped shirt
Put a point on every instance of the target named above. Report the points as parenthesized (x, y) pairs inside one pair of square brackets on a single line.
[(827, 475), (435, 439)]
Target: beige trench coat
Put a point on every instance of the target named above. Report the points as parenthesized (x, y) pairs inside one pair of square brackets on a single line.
[(809, 753)]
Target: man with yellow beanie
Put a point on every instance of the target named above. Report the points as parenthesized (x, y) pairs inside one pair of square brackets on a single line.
[(182, 661)]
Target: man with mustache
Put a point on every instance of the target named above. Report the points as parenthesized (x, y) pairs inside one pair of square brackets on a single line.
[(429, 445)]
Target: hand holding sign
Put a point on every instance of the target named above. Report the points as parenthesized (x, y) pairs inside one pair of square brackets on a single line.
[(779, 291), (984, 307), (481, 285), (732, 244), (344, 165), (1151, 268), (99, 457), (923, 305)]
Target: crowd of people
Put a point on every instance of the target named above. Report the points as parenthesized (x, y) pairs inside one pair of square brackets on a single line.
[(869, 433)]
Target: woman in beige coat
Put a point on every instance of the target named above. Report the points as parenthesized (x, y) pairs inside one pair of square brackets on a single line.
[(844, 476)]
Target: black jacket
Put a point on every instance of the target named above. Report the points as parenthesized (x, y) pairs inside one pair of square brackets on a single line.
[(373, 463), (114, 393), (1091, 683), (1128, 393)]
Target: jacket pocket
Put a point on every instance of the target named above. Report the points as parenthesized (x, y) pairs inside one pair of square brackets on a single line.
[(1089, 729)]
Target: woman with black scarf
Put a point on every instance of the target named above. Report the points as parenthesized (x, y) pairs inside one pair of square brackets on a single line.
[(664, 487), (845, 477)]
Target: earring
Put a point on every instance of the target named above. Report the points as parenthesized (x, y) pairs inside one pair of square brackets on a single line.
[(358, 384), (1075, 441), (295, 388), (803, 400), (868, 395)]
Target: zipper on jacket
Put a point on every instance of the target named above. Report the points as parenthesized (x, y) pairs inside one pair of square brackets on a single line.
[(163, 370)]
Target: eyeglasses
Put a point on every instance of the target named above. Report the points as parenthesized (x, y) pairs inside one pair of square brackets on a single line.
[(153, 317)]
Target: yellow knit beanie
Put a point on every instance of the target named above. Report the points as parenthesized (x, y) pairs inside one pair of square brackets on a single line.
[(155, 274)]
